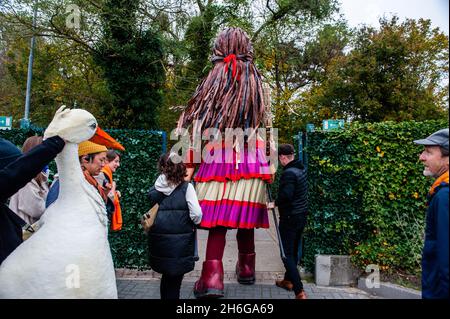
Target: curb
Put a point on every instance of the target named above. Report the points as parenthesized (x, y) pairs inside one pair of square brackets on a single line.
[(390, 291)]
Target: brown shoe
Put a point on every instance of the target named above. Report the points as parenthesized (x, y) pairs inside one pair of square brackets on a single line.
[(285, 284), (301, 295)]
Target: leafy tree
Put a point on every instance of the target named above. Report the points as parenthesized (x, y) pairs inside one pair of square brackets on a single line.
[(296, 64), (399, 72), (63, 73), (132, 64), (186, 29), (199, 34), (278, 40), (188, 52), (139, 57)]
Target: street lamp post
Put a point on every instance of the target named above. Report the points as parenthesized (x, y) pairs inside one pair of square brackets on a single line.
[(25, 122)]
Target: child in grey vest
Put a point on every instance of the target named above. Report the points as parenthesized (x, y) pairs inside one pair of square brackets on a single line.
[(172, 240)]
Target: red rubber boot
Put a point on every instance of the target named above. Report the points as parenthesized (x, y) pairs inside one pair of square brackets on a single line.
[(210, 284), (245, 269)]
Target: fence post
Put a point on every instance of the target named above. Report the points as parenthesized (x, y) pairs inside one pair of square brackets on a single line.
[(300, 146), (305, 153), (301, 157), (164, 141)]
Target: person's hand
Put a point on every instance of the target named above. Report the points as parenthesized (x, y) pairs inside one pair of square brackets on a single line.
[(68, 125), (271, 205), (118, 194), (107, 186), (272, 178), (113, 186), (189, 173)]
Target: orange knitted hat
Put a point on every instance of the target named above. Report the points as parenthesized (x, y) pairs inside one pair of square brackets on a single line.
[(88, 147)]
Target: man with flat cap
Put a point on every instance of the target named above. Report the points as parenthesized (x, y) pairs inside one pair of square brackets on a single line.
[(435, 278)]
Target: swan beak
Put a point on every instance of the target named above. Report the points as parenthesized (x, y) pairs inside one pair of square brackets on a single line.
[(103, 138)]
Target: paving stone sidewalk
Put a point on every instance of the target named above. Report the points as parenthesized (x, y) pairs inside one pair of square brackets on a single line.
[(149, 289), (133, 284)]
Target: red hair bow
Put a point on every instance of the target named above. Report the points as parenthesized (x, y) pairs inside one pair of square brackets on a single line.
[(230, 58)]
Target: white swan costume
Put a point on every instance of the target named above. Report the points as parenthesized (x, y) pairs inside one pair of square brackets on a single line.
[(69, 257)]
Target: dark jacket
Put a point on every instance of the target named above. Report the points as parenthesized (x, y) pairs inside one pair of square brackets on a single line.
[(171, 240), (12, 178), (435, 277), (293, 190)]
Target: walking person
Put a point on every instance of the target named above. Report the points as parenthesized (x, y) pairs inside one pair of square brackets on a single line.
[(435, 277), (105, 178), (29, 202), (293, 208), (172, 240)]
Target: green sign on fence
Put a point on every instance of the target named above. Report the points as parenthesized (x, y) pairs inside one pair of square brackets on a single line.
[(328, 125), (5, 122), (310, 127)]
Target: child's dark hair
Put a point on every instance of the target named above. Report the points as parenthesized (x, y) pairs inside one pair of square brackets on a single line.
[(171, 165)]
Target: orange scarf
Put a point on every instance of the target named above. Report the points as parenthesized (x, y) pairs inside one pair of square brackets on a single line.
[(116, 220), (94, 183), (438, 181)]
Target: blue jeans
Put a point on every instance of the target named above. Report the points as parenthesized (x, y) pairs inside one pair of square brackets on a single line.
[(291, 230)]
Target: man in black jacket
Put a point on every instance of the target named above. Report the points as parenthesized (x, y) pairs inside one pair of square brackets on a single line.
[(292, 206), (16, 170)]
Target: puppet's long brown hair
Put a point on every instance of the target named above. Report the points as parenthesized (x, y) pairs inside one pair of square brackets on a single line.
[(224, 98)]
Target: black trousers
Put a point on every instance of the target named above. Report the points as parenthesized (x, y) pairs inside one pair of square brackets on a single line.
[(170, 286), (291, 230)]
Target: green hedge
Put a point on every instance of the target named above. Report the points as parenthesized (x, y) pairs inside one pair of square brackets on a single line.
[(134, 177), (18, 136), (367, 194)]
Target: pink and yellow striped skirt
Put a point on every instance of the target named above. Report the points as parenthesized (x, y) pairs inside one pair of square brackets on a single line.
[(234, 196), (233, 204)]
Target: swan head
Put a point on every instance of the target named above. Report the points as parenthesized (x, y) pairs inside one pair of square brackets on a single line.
[(73, 125), (76, 126)]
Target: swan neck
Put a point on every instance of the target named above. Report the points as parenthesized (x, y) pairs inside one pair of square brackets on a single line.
[(69, 170)]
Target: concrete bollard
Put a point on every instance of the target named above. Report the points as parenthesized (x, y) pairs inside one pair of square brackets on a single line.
[(335, 270)]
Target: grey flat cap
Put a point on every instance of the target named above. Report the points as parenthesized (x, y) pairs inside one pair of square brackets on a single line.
[(439, 138)]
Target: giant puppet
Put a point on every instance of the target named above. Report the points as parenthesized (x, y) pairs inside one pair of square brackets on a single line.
[(69, 256), (231, 179)]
